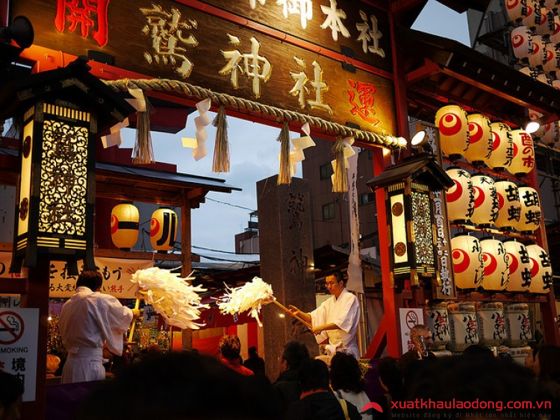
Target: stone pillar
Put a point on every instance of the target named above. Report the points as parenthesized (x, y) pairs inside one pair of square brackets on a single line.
[(286, 252)]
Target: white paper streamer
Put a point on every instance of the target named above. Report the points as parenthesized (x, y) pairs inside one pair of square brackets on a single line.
[(298, 146), (348, 152), (114, 136), (200, 122), (249, 297), (171, 296), (355, 282)]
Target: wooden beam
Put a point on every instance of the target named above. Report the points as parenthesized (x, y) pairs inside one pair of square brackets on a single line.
[(136, 255), (12, 285), (426, 70), (116, 191)]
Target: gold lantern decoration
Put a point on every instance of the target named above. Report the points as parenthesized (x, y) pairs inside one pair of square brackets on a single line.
[(451, 121), (502, 147), (163, 229), (496, 268), (519, 266), (530, 213), (125, 220), (480, 140), (485, 201), (523, 160), (468, 267), (460, 197), (541, 270), (509, 206)]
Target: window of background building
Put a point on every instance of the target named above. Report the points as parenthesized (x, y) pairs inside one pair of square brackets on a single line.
[(366, 198), (328, 211), (325, 171)]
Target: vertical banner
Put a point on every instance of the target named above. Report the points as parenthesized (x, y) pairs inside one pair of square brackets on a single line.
[(355, 282)]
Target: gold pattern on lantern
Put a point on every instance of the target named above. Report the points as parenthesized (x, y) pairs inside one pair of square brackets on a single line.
[(422, 224)]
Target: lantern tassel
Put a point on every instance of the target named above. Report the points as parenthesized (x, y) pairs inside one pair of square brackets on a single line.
[(340, 176), (143, 153), (221, 146), (285, 173)]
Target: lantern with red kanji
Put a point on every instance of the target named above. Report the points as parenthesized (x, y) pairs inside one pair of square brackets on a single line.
[(502, 147), (163, 229), (509, 206), (519, 266), (485, 201), (541, 270), (451, 121), (523, 160), (530, 218), (460, 197), (124, 225), (496, 269), (468, 267), (521, 42), (480, 138)]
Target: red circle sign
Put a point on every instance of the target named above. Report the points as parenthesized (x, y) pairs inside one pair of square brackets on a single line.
[(411, 319), (11, 327)]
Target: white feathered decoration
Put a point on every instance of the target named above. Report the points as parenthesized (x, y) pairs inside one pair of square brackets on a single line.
[(249, 297), (171, 296)]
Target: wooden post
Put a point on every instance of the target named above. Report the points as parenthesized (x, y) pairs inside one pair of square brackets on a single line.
[(186, 244)]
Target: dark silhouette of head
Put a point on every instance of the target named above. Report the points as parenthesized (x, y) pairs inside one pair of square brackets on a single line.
[(478, 350), (314, 375), (230, 347), (90, 279), (253, 352), (390, 376), (295, 353), (346, 374), (11, 390), (548, 357)]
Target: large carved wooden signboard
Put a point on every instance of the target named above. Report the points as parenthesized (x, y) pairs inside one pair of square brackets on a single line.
[(284, 53)]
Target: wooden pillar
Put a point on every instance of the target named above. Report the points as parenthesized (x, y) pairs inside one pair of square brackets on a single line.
[(186, 244)]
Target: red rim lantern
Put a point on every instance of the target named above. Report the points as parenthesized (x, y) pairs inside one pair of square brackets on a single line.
[(502, 147), (496, 269), (460, 197), (480, 138), (521, 42), (485, 201), (536, 54), (530, 218), (549, 133), (517, 10), (541, 270), (551, 59), (163, 229), (124, 225), (554, 34), (519, 266), (452, 124), (509, 206), (523, 160), (543, 21), (532, 15), (468, 267)]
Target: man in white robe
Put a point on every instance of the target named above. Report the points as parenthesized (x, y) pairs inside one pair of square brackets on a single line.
[(89, 322), (336, 320)]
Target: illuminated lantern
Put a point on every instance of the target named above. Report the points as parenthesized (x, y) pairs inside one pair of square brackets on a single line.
[(452, 124), (437, 320), (463, 325), (496, 269), (517, 10), (468, 267), (532, 14), (536, 54), (521, 42), (485, 201), (543, 21), (518, 325), (519, 266), (502, 147), (551, 4), (163, 229), (551, 59), (549, 133), (554, 34), (509, 206), (460, 197), (491, 323), (530, 218), (480, 138), (541, 270), (523, 160), (124, 225)]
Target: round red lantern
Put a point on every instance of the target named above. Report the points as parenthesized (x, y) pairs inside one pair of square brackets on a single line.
[(530, 218), (502, 147), (485, 201), (496, 269), (549, 133), (479, 146), (468, 267), (532, 15), (519, 266), (460, 197), (518, 9), (521, 42), (541, 270), (163, 229), (509, 206), (543, 21), (536, 54), (451, 121), (523, 160), (124, 225), (551, 60), (554, 34)]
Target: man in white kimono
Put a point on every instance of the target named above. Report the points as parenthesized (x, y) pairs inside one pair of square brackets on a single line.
[(336, 319), (89, 322)]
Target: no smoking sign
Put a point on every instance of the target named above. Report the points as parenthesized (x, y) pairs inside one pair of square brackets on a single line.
[(11, 327)]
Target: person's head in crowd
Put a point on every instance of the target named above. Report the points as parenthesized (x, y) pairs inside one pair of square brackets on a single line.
[(346, 374), (547, 363), (253, 352), (180, 386), (478, 350), (390, 377), (335, 283), (314, 376), (294, 354), (11, 391), (230, 347), (90, 279)]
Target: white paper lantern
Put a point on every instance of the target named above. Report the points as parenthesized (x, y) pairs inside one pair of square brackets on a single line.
[(451, 121), (485, 201), (549, 133), (437, 320), (480, 138), (536, 54), (468, 267), (502, 147), (518, 324), (496, 270), (460, 197), (554, 34), (491, 323), (541, 270), (523, 160), (551, 58), (532, 15), (543, 21), (519, 266), (463, 325), (509, 206), (518, 9), (521, 42), (530, 218)]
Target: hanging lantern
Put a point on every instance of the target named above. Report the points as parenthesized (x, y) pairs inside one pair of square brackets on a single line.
[(460, 197), (554, 34), (437, 320), (124, 225), (530, 218), (517, 10), (536, 54), (551, 59), (468, 267), (519, 266), (509, 206), (532, 14), (463, 325), (502, 147), (163, 229), (451, 121), (521, 42), (480, 138), (485, 201), (518, 324), (523, 160), (551, 4), (491, 323), (543, 21), (549, 133), (541, 270), (496, 270)]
